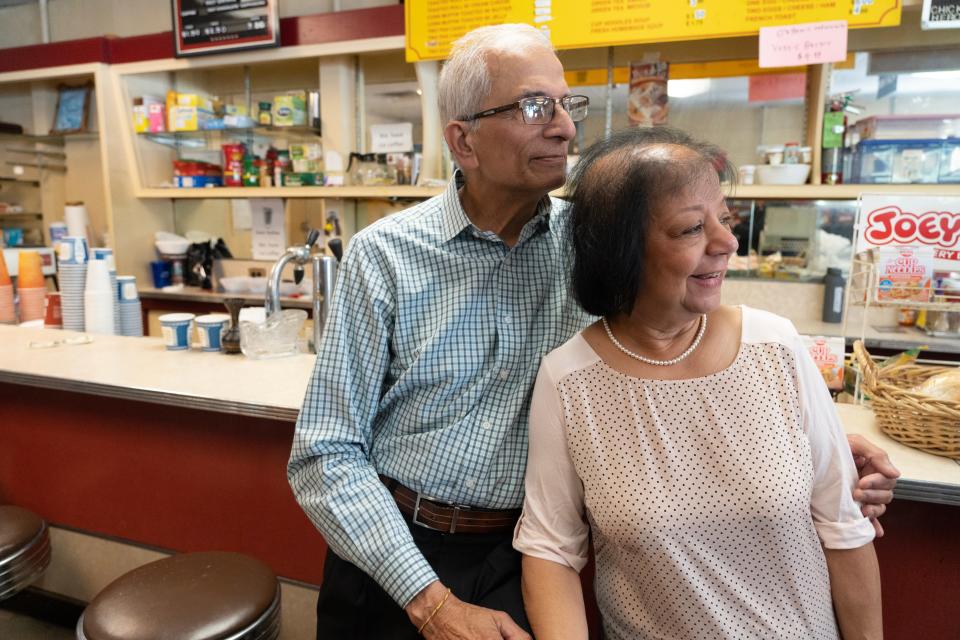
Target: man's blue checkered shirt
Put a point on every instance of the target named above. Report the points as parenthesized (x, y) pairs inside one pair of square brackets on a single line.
[(424, 375)]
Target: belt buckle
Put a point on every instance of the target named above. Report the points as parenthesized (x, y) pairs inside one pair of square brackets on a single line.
[(453, 521)]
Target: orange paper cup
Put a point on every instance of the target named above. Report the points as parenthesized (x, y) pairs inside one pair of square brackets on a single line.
[(4, 274), (30, 273)]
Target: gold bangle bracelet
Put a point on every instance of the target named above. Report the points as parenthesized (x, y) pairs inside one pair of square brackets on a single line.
[(430, 617)]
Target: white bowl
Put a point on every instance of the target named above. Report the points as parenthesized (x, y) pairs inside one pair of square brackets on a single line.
[(172, 247), (235, 284), (782, 173), (258, 285)]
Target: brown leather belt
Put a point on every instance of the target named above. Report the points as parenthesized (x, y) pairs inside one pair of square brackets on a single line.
[(449, 518)]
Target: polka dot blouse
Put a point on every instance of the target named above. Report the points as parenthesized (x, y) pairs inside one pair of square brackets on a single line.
[(708, 499)]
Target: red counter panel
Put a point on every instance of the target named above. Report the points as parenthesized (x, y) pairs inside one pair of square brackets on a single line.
[(179, 479)]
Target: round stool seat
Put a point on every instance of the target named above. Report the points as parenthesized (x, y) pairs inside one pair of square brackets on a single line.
[(192, 596), (24, 549)]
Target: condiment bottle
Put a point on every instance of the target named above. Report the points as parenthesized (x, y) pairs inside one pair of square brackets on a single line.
[(833, 286)]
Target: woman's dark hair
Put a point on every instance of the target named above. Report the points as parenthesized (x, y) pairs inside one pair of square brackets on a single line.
[(613, 190)]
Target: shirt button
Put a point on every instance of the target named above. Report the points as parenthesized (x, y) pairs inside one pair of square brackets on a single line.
[(486, 424), (504, 374), (507, 319), (471, 483)]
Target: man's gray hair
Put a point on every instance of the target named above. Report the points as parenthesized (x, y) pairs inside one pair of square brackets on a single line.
[(465, 79)]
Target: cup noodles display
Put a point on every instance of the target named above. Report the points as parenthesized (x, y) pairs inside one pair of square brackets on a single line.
[(904, 273), (827, 354), (648, 103)]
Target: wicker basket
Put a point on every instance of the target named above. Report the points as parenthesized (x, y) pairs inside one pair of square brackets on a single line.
[(914, 419)]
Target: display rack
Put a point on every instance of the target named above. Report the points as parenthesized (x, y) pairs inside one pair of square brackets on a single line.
[(862, 294)]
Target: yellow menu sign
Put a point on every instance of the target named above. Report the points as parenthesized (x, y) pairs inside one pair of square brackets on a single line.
[(432, 25)]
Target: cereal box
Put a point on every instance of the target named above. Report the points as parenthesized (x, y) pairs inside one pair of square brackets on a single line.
[(904, 273), (827, 354)]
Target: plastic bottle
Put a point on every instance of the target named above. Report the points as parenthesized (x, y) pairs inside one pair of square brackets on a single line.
[(833, 287)]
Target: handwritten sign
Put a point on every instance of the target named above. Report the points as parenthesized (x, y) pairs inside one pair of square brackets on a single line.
[(811, 43), (391, 138), (433, 25), (269, 230)]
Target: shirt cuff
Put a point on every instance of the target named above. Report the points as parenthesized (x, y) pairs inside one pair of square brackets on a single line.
[(845, 535), (404, 574)]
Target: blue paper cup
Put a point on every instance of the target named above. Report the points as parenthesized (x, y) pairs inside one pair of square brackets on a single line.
[(73, 250), (211, 327), (176, 329), (162, 276)]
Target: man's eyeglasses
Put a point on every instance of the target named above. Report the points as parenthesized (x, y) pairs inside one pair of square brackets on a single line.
[(540, 109)]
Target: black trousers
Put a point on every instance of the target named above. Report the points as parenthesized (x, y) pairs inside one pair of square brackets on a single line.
[(482, 569)]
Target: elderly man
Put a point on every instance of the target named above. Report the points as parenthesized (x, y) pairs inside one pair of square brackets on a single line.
[(410, 450)]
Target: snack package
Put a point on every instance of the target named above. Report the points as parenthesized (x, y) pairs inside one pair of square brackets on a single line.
[(827, 354), (904, 274), (905, 357), (943, 386), (648, 104)]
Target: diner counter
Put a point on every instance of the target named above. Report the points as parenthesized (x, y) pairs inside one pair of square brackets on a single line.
[(142, 369)]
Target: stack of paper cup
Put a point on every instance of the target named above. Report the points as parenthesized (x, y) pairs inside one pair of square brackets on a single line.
[(75, 215), (7, 311), (98, 299), (104, 253), (72, 269), (131, 320), (30, 286)]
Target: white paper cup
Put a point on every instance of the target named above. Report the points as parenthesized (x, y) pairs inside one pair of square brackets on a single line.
[(176, 330), (98, 312), (211, 327)]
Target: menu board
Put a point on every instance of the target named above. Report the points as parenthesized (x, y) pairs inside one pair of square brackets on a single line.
[(213, 26), (432, 25)]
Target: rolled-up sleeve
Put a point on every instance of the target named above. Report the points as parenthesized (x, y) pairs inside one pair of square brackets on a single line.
[(836, 515), (553, 525), (330, 469)]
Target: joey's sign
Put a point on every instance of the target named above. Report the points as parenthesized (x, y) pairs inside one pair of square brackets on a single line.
[(932, 221)]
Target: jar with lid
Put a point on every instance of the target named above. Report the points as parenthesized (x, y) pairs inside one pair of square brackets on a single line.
[(265, 115), (792, 153)]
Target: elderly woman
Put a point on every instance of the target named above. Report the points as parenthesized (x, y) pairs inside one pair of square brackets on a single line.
[(695, 442)]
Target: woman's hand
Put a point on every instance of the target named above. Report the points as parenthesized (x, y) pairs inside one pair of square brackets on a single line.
[(878, 477)]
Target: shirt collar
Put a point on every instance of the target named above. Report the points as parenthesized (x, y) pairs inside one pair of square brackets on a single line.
[(454, 219)]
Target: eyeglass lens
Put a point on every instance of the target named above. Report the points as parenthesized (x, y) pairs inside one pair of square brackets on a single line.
[(540, 110)]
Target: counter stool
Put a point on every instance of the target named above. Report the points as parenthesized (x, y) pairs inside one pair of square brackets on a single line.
[(192, 596), (24, 549)]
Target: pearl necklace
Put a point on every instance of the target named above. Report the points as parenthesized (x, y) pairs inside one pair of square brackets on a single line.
[(659, 363)]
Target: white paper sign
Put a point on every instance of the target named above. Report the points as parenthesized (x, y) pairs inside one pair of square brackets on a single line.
[(391, 138), (242, 214), (907, 220), (269, 230)]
